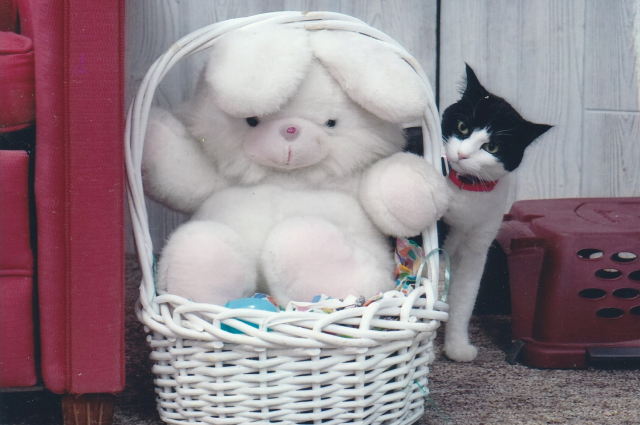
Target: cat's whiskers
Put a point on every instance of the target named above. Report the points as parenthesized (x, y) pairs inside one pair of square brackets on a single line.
[(476, 171), (478, 177), (482, 170), (460, 116), (507, 132), (503, 133)]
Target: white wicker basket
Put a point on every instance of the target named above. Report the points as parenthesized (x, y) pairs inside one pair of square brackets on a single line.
[(353, 366)]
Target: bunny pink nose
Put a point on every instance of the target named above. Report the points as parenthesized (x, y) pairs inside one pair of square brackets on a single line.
[(289, 133)]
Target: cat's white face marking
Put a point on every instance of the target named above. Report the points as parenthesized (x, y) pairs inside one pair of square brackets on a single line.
[(466, 156)]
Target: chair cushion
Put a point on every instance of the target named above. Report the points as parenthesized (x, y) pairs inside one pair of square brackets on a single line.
[(17, 367), (17, 82)]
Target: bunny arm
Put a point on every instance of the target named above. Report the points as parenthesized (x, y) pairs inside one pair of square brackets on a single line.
[(175, 169), (403, 194)]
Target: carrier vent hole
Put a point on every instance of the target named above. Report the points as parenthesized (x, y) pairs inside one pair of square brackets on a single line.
[(592, 293), (590, 254), (635, 276), (609, 313), (624, 257), (626, 293), (608, 274), (635, 310)]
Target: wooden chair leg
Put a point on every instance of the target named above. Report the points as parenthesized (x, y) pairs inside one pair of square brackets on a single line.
[(88, 409)]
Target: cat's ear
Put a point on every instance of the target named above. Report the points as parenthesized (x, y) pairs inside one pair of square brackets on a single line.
[(473, 89), (532, 131)]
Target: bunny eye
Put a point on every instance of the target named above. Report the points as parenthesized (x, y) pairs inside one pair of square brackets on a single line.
[(462, 128), (330, 123), (253, 121)]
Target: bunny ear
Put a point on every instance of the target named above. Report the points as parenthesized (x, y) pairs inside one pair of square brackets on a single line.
[(255, 71), (372, 74)]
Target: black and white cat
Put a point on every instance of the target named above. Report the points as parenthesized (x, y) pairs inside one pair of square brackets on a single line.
[(485, 139)]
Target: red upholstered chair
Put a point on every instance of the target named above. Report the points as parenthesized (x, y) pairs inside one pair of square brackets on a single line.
[(17, 117), (76, 53)]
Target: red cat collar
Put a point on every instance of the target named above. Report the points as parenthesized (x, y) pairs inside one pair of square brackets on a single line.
[(472, 185)]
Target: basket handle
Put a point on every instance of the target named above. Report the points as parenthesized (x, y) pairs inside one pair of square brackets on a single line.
[(433, 278)]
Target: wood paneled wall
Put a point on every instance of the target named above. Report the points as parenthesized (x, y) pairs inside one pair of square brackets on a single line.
[(573, 64)]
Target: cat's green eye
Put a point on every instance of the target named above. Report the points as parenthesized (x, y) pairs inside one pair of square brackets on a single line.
[(491, 147), (462, 128)]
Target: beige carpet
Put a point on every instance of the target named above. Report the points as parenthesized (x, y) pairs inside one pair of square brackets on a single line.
[(487, 391), (491, 391)]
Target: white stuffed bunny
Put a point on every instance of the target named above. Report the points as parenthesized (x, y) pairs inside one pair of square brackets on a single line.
[(289, 156)]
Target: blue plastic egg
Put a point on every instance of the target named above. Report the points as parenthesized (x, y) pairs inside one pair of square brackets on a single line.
[(255, 303)]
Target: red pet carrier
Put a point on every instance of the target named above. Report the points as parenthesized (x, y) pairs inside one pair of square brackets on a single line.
[(575, 280)]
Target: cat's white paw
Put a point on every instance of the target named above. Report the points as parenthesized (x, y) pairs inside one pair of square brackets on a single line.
[(460, 352)]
